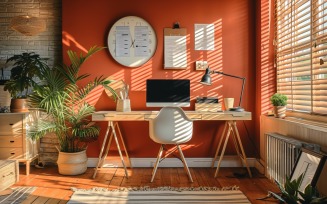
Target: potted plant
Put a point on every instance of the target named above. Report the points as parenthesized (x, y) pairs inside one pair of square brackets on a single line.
[(63, 99), (26, 67), (279, 101), (291, 194)]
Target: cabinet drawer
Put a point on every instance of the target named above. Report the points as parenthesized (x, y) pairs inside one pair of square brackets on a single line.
[(11, 153), (11, 141), (11, 124)]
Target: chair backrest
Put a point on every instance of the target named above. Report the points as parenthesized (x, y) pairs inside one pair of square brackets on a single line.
[(171, 126)]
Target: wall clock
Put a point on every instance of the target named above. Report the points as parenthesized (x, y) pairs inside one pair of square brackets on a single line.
[(132, 41)]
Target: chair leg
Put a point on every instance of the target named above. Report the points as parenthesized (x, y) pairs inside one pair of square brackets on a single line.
[(157, 163), (184, 162)]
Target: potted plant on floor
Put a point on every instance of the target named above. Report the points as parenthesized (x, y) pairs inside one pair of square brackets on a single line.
[(291, 194), (26, 67), (279, 101), (63, 99)]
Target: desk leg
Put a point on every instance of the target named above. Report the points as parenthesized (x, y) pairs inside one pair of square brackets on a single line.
[(244, 159), (101, 157), (118, 147), (224, 148), (107, 149), (218, 148), (122, 140)]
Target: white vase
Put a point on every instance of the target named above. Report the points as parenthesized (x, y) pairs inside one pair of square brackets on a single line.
[(280, 111), (72, 163)]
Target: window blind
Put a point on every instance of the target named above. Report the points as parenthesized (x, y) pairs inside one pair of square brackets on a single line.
[(301, 52)]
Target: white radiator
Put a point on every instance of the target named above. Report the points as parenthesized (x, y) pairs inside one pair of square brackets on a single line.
[(282, 153)]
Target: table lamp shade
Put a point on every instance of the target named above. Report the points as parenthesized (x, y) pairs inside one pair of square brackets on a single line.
[(28, 25), (206, 78)]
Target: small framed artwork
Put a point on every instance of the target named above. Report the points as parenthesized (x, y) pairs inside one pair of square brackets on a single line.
[(309, 164)]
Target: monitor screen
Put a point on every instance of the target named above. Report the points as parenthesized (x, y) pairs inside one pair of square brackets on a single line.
[(167, 92)]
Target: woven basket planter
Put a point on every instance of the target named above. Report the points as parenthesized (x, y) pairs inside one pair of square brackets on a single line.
[(72, 163)]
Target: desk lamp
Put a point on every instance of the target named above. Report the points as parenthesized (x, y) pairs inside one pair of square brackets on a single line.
[(206, 80)]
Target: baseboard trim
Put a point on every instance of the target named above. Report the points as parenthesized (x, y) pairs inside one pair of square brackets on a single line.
[(228, 161)]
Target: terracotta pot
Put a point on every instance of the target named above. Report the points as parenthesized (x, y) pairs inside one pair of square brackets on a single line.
[(280, 111), (18, 105), (72, 163)]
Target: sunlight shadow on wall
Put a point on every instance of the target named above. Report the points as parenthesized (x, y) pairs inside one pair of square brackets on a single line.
[(268, 78), (215, 62), (70, 41), (139, 76)]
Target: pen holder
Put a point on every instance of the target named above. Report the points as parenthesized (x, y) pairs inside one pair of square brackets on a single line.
[(123, 105)]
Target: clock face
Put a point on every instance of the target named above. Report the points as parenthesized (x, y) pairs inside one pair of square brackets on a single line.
[(132, 41)]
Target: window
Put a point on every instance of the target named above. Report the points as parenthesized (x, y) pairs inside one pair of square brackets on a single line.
[(301, 53)]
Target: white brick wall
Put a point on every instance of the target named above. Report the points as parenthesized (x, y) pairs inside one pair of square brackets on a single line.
[(46, 44)]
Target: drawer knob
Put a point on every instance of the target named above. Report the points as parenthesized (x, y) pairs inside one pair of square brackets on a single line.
[(12, 153), (11, 141), (11, 124)]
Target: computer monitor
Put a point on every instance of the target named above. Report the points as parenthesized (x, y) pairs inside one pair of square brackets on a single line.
[(167, 92)]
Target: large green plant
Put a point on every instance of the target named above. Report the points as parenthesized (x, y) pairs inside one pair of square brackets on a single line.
[(63, 99), (26, 67)]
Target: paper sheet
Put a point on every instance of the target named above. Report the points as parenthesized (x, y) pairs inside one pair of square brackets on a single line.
[(141, 41), (204, 36), (175, 52), (123, 41)]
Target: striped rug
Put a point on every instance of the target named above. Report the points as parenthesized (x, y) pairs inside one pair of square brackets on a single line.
[(158, 195), (18, 195)]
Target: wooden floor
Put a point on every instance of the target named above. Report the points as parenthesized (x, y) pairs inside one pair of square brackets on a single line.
[(55, 188)]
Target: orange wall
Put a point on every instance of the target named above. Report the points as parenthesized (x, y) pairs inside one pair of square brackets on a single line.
[(87, 23)]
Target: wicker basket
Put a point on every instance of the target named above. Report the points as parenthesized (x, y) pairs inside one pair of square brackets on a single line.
[(72, 163)]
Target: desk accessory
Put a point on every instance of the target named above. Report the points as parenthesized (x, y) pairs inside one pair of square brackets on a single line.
[(210, 104), (228, 103), (206, 80), (123, 102)]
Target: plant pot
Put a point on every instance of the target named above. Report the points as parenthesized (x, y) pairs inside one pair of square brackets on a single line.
[(280, 111), (72, 163), (18, 105)]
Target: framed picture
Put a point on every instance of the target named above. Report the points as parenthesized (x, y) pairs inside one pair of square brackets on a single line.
[(309, 164)]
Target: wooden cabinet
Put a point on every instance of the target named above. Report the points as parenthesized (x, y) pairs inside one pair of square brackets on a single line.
[(13, 141)]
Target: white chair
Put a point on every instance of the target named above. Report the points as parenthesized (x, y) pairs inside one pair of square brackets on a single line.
[(171, 126)]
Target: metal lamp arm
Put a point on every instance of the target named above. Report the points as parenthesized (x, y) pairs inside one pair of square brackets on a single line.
[(243, 84)]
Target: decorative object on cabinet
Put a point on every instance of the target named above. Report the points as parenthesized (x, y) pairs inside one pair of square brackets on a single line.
[(26, 67), (13, 141), (132, 41), (279, 101), (64, 101), (206, 80)]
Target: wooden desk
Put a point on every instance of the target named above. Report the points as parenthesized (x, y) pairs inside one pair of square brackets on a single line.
[(230, 126)]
